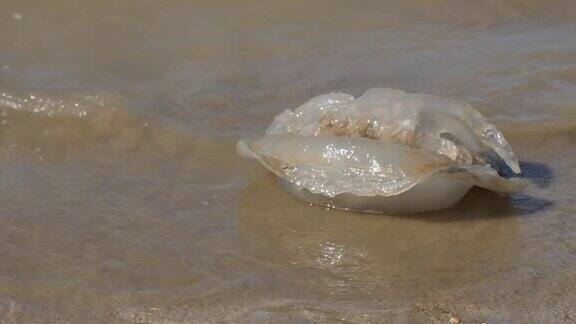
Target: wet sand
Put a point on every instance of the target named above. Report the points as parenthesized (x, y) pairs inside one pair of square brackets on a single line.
[(122, 198)]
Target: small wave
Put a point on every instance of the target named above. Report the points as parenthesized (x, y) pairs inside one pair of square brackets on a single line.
[(57, 125), (79, 105), (97, 125)]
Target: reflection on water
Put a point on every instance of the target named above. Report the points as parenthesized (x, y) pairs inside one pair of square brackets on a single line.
[(346, 253)]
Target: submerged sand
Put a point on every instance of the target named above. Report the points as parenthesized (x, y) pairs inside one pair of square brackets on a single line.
[(122, 198)]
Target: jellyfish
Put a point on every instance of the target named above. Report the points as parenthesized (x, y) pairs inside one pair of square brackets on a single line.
[(386, 151)]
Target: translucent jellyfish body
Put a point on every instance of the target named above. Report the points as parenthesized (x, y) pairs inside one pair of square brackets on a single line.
[(386, 151)]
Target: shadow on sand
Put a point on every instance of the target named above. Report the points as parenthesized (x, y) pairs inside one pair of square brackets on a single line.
[(481, 203)]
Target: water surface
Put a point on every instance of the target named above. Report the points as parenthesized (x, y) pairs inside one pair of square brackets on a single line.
[(122, 198)]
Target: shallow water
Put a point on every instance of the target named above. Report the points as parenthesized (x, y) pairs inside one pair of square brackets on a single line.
[(122, 199)]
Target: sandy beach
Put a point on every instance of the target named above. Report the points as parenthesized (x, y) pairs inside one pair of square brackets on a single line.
[(122, 198)]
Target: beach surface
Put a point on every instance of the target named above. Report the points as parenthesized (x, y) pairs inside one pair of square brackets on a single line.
[(122, 199)]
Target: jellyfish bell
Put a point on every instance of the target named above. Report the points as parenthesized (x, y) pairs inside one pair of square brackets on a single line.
[(386, 151)]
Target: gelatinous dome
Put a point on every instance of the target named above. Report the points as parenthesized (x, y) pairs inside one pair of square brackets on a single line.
[(387, 145)]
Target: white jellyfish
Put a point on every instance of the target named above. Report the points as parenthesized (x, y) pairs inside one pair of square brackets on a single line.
[(386, 151)]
